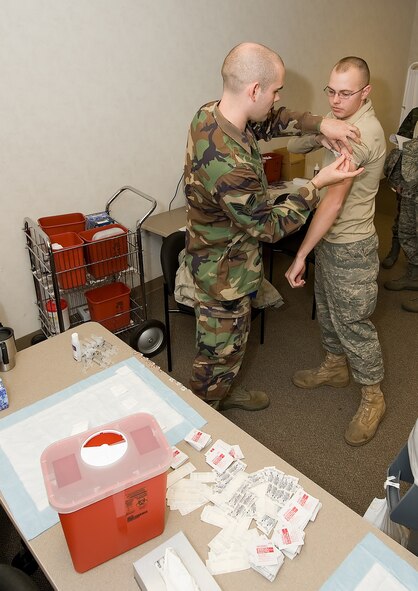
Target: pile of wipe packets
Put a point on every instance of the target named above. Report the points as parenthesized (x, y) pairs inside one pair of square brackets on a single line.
[(262, 515)]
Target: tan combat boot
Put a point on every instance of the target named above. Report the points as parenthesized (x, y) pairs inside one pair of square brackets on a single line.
[(407, 281), (240, 397), (365, 422), (333, 371)]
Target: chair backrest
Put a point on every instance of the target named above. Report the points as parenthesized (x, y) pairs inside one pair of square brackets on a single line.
[(170, 250), (403, 510)]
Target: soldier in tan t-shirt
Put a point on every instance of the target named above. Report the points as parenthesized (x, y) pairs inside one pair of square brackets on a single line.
[(346, 258)]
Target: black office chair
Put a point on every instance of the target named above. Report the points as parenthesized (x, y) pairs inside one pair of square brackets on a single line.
[(289, 245), (404, 510), (169, 256), (170, 250), (14, 579)]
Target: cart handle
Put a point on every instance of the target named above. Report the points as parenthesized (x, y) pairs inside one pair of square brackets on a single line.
[(140, 194)]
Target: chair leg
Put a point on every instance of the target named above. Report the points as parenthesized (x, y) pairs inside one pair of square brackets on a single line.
[(313, 315), (271, 264), (167, 328), (413, 542)]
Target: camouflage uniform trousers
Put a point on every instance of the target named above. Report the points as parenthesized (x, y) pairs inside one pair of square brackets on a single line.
[(408, 225), (221, 339), (346, 294), (395, 227)]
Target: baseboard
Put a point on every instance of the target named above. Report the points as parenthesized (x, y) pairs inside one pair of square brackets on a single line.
[(150, 288)]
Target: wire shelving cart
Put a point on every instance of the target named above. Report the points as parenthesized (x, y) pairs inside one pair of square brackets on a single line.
[(95, 274)]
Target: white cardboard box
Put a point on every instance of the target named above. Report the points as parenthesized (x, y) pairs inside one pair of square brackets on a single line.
[(149, 579)]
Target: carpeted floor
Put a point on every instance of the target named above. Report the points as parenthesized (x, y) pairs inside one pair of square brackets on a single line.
[(306, 428)]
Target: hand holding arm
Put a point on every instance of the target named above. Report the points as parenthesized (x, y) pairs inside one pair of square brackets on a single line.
[(337, 171), (338, 146), (339, 133), (325, 215)]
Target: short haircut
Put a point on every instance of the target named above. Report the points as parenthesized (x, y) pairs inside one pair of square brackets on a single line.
[(247, 63), (352, 61)]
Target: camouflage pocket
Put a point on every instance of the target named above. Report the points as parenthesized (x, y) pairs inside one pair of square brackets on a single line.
[(222, 332)]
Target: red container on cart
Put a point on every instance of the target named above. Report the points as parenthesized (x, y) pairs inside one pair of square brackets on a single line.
[(110, 305), (106, 249), (108, 486), (69, 260), (52, 313), (67, 222)]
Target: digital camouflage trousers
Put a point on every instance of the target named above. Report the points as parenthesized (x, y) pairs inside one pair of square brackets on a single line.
[(408, 226), (346, 295)]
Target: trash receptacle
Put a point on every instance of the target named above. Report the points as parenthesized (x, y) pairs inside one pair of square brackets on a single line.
[(108, 486), (404, 509)]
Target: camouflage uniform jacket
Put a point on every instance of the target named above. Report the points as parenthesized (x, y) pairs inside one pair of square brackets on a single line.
[(401, 166), (228, 210), (408, 125)]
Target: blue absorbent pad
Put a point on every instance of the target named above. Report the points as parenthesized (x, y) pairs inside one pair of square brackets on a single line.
[(123, 389), (358, 563)]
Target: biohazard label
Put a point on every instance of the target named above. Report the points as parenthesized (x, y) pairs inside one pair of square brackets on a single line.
[(136, 503)]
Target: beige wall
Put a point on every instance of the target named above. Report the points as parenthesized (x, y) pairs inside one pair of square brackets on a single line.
[(413, 51), (99, 94)]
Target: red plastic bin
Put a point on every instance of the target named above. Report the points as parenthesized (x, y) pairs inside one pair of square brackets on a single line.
[(108, 486), (272, 163), (106, 249), (69, 260), (67, 222), (110, 305)]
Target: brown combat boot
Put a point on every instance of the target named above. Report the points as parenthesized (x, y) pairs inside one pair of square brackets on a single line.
[(333, 371), (240, 397), (365, 422)]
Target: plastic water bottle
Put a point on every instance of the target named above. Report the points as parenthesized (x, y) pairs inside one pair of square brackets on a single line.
[(75, 344), (316, 169)]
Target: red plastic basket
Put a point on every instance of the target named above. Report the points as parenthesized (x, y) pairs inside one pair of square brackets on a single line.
[(108, 255), (67, 222), (69, 260), (110, 305)]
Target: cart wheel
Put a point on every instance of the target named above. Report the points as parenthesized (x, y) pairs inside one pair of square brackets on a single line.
[(150, 338), (38, 338)]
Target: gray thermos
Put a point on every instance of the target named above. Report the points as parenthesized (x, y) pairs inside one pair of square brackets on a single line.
[(7, 348)]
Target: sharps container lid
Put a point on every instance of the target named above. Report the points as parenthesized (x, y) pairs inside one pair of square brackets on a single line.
[(90, 466)]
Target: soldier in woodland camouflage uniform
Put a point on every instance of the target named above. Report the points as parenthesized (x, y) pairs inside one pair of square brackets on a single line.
[(346, 260), (228, 212), (401, 169)]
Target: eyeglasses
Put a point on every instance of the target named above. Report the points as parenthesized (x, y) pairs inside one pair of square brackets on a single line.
[(342, 94)]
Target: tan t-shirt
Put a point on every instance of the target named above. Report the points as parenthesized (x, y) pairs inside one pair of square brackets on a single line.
[(356, 220)]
